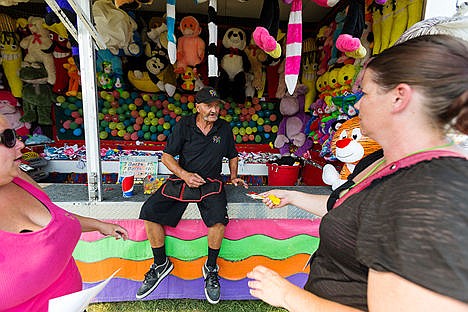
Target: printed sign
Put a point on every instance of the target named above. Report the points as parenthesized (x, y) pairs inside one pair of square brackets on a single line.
[(138, 166)]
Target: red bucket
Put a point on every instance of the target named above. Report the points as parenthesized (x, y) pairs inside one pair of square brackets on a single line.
[(312, 175), (282, 175)]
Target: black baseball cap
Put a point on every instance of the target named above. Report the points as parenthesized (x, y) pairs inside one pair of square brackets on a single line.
[(207, 95)]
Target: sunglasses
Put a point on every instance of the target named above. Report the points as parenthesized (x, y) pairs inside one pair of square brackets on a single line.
[(8, 138)]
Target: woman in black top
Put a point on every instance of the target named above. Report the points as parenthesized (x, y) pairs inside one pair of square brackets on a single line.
[(396, 240)]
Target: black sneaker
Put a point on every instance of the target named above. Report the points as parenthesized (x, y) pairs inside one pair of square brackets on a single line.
[(212, 289), (153, 277)]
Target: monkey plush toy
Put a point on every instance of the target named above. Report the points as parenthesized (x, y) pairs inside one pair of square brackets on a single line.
[(190, 47)]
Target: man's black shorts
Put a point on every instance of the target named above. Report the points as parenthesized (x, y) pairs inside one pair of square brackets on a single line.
[(166, 211)]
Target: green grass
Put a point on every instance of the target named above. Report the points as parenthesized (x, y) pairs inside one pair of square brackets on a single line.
[(183, 305)]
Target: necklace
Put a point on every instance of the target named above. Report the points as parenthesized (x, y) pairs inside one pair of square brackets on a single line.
[(382, 161)]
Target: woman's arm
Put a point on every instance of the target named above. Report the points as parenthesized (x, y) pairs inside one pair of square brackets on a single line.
[(313, 203), (390, 292), (270, 287), (105, 228)]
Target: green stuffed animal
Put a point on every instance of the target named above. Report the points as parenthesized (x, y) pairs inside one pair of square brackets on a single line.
[(37, 94)]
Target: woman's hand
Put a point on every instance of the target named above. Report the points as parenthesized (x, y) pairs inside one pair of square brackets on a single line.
[(269, 286), (283, 195), (115, 230)]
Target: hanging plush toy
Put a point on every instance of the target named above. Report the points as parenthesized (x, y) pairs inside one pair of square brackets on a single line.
[(349, 146), (117, 28), (367, 38), (52, 22), (349, 40), (37, 95), (35, 44), (10, 54), (256, 58), (291, 137), (158, 32), (61, 51), (265, 34), (212, 42), (190, 47), (340, 18), (292, 65), (325, 39), (234, 65), (309, 71), (73, 77)]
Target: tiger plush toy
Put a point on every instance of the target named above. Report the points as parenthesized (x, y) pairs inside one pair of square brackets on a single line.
[(349, 146)]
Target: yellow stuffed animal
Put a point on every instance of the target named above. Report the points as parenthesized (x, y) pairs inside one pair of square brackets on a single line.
[(333, 82), (346, 77), (10, 59), (309, 71)]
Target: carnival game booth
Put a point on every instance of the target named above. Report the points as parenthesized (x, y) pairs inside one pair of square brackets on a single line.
[(288, 71), (281, 239)]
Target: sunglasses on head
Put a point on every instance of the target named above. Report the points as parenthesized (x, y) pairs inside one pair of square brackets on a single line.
[(8, 138)]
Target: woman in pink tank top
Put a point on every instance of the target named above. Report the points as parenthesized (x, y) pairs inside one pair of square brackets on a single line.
[(37, 237)]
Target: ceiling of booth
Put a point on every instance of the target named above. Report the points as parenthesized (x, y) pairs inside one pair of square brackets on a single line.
[(311, 12)]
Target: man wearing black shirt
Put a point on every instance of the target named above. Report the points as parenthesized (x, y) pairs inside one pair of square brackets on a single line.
[(201, 141)]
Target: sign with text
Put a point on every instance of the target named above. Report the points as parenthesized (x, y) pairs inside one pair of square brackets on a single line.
[(138, 166)]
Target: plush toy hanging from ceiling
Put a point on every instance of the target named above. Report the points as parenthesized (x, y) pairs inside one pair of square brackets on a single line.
[(158, 32), (10, 54), (171, 38), (190, 47), (35, 44), (37, 94), (309, 71), (61, 51), (294, 41), (367, 38), (55, 25), (293, 46), (255, 79), (265, 34), (234, 65), (349, 40), (454, 26), (212, 42), (74, 78), (118, 29)]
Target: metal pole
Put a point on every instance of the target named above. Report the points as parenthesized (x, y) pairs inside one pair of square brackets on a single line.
[(90, 108)]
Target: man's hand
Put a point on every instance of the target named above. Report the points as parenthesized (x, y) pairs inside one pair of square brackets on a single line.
[(239, 182), (193, 180)]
